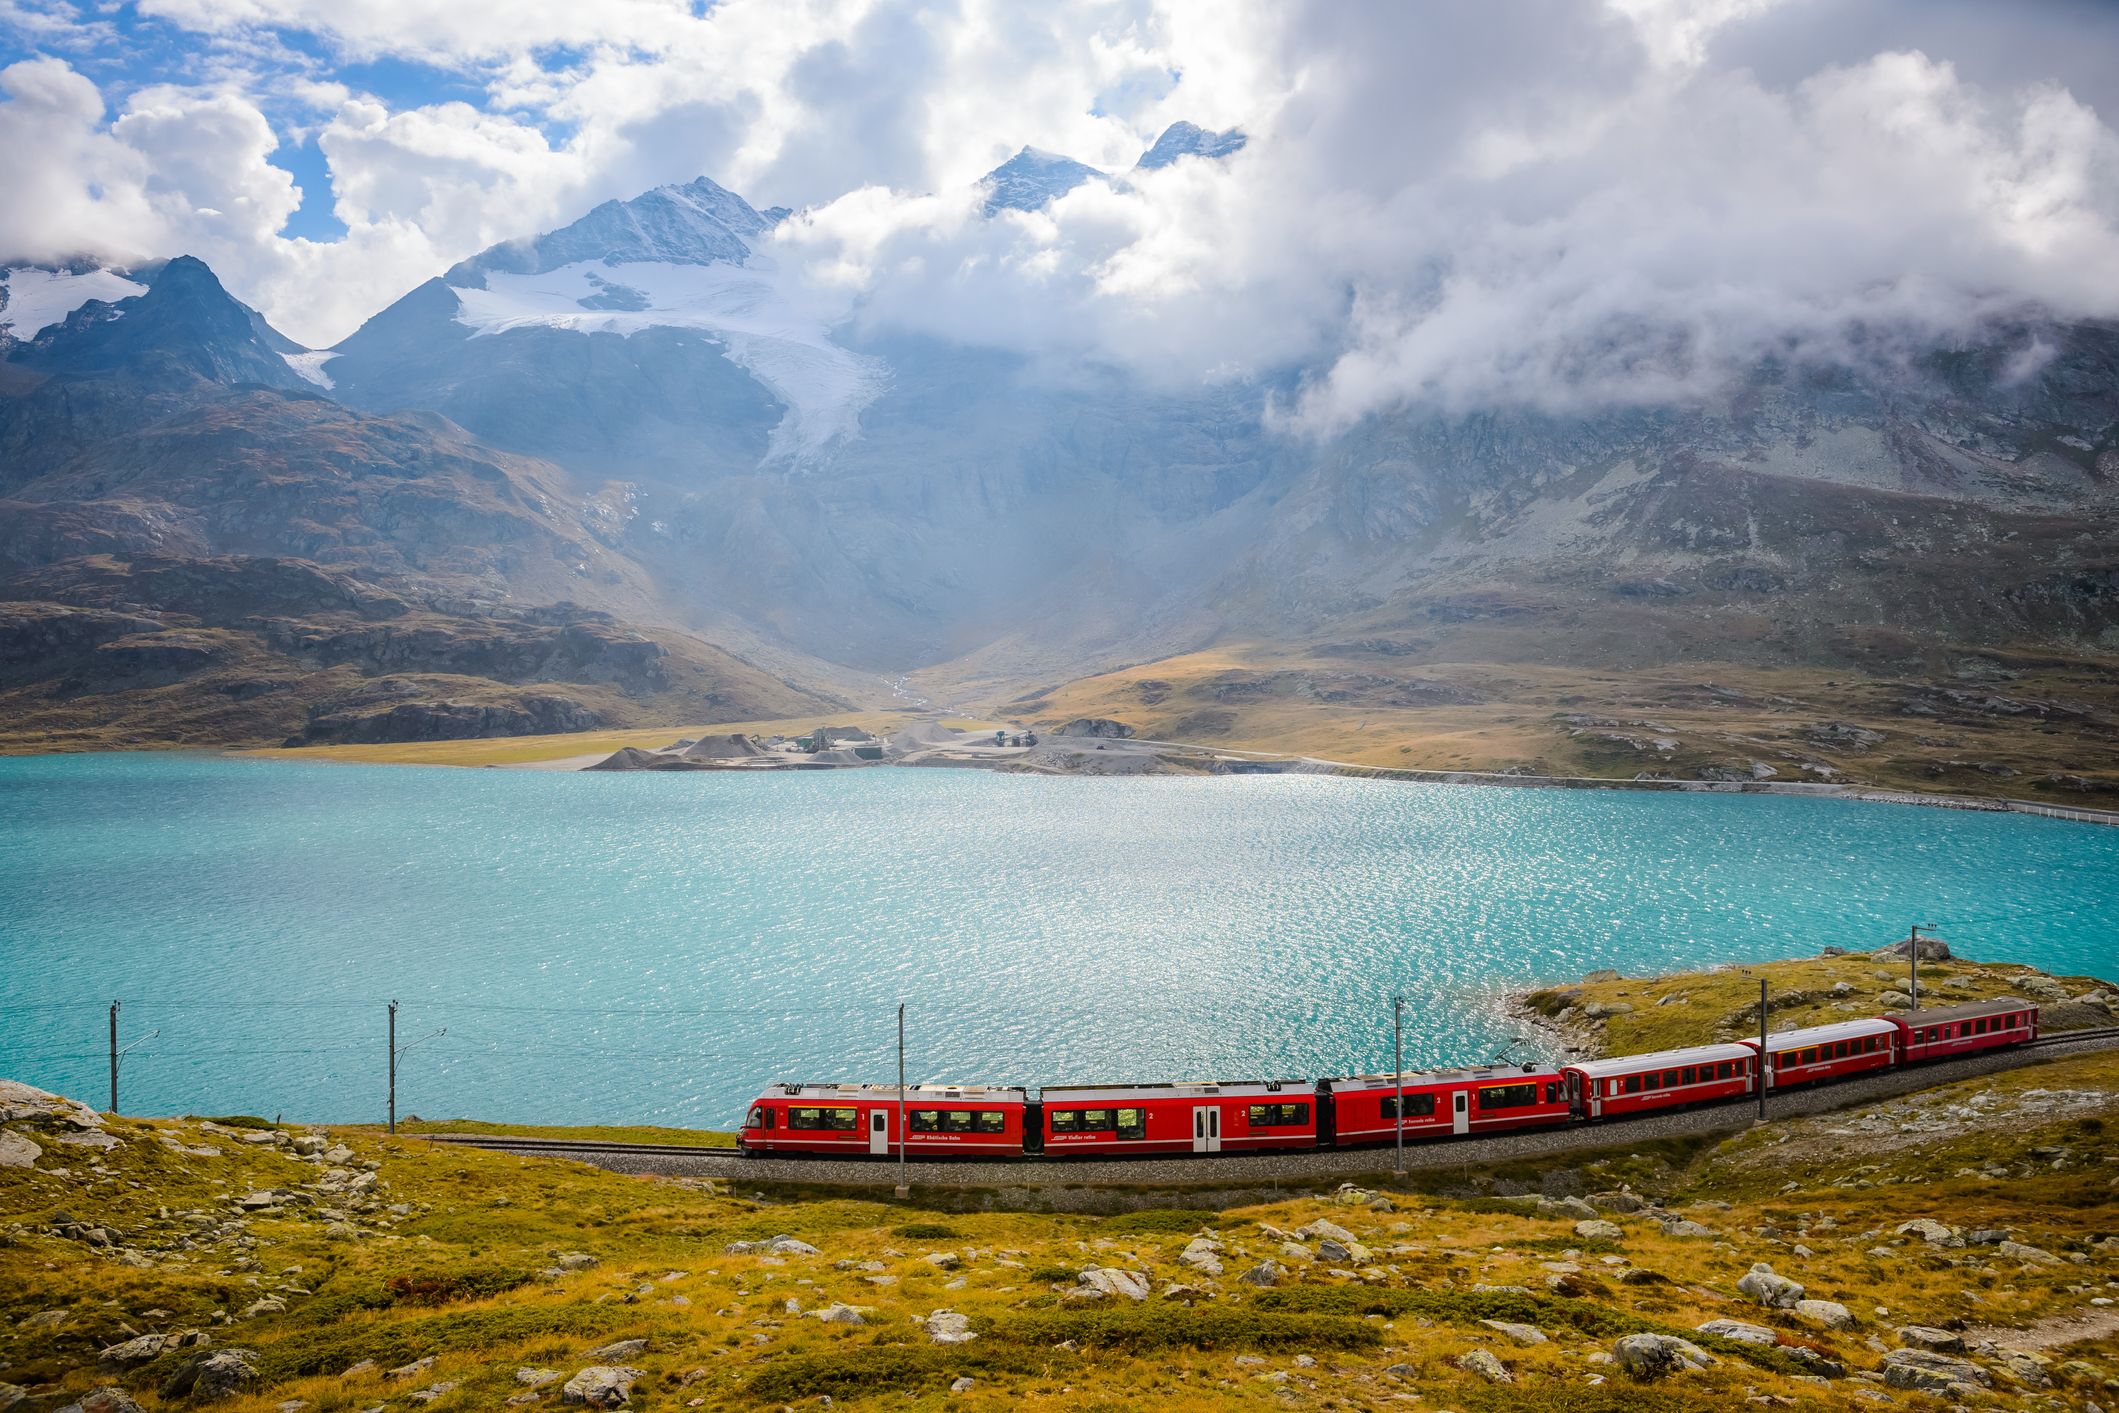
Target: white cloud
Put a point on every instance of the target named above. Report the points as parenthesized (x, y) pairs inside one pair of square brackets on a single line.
[(1463, 203)]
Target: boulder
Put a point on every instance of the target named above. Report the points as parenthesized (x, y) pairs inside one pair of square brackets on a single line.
[(147, 1348), (1775, 1292), (17, 1151), (1895, 1001), (836, 1314), (1202, 1254), (1349, 1253), (1741, 1332), (1682, 1226), (1264, 1273), (1928, 1337), (1826, 1314), (1624, 1203), (1931, 1231), (100, 1400), (1926, 1371), (2024, 1367), (1322, 1230), (573, 1260), (1652, 1356), (1521, 1334), (2030, 1255), (1597, 1229), (1483, 1363), (1133, 1285), (535, 1378), (602, 1386), (947, 1327), (213, 1375), (618, 1350)]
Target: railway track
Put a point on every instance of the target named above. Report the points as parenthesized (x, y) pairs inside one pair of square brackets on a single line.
[(1272, 1169)]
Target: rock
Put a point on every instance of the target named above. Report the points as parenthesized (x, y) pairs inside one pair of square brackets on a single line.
[(2018, 1251), (1928, 1337), (1202, 1255), (1741, 1332), (1130, 1284), (573, 1261), (1826, 1314), (772, 1246), (1926, 1371), (1597, 1229), (836, 1314), (947, 1327), (1895, 1001), (212, 1375), (1521, 1334), (618, 1350), (17, 1151), (1322, 1230), (354, 1371), (1483, 1363), (1351, 1253), (412, 1370), (1564, 1207), (100, 1400), (269, 1305), (945, 1260), (1775, 1292), (1264, 1273), (22, 1101), (963, 1384), (1931, 1231), (431, 1391), (1296, 1251), (12, 1394), (1602, 1010), (601, 1386), (2024, 1367), (1683, 1226), (535, 1378), (1932, 949), (1652, 1356), (147, 1348), (1095, 726), (311, 1145), (1624, 1203)]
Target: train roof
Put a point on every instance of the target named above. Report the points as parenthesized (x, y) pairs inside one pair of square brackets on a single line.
[(1970, 1010), (1781, 1040), (1464, 1074), (1190, 1089), (914, 1093), (1663, 1060)]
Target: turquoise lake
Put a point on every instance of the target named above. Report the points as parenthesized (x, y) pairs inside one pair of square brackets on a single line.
[(653, 948)]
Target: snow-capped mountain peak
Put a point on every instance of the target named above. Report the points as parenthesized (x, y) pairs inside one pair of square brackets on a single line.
[(1032, 178), (34, 297), (697, 223), (1183, 139)]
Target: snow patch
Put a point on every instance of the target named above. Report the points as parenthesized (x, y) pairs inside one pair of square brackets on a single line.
[(37, 299), (310, 365), (762, 315)]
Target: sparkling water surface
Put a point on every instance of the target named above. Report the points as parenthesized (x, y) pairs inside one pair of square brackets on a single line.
[(654, 947)]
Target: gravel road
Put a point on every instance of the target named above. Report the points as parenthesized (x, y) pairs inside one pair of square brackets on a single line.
[(1307, 1167)]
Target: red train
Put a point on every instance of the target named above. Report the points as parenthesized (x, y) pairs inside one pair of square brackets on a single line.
[(1251, 1116)]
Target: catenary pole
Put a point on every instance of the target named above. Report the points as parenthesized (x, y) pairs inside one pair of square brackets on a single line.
[(1763, 1063), (1913, 957), (114, 1055), (904, 1188), (393, 1069), (1398, 1083)]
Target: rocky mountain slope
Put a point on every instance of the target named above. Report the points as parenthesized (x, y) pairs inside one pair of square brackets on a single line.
[(648, 413)]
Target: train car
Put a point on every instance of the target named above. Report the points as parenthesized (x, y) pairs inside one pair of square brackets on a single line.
[(1111, 1120), (1441, 1103), (941, 1120), (1939, 1032), (1665, 1079), (1821, 1052)]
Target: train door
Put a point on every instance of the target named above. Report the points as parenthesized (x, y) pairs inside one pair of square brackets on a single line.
[(879, 1131), (1206, 1128), (1460, 1111)]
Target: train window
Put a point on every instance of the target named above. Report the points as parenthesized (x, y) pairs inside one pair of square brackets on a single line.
[(925, 1121), (1097, 1120), (1066, 1120), (993, 1121), (1652, 1081), (1689, 1076), (1132, 1123), (1508, 1096), (805, 1118), (1417, 1106), (1810, 1056), (1279, 1115), (1552, 1093), (1979, 1027), (956, 1120), (841, 1118), (1633, 1084), (760, 1117)]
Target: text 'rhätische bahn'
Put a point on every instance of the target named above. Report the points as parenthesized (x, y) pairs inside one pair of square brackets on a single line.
[(1251, 1116)]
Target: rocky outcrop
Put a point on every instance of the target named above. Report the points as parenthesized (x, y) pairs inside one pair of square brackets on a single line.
[(1775, 1292), (602, 1386), (1095, 726), (448, 721)]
